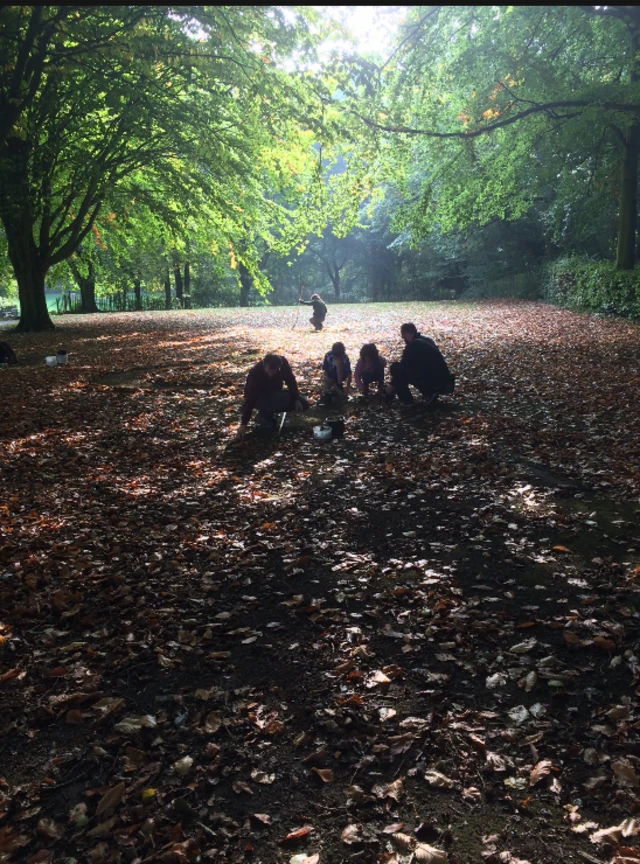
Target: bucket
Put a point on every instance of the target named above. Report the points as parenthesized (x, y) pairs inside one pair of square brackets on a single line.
[(61, 357), (322, 433), (51, 361), (336, 424)]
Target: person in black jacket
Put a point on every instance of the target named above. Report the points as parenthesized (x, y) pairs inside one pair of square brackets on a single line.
[(422, 365), (319, 310)]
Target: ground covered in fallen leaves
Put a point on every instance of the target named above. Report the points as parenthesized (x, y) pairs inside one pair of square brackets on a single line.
[(414, 644)]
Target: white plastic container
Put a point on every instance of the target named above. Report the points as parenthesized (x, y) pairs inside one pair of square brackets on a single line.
[(51, 361), (322, 433)]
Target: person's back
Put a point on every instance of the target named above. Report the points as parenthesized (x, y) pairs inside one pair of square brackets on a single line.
[(424, 363)]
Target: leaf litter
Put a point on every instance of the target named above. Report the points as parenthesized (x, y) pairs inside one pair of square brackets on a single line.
[(389, 644)]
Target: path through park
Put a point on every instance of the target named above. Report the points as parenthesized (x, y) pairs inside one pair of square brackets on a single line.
[(418, 643)]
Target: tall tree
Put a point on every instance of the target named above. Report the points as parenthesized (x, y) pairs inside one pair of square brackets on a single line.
[(492, 107), (194, 93)]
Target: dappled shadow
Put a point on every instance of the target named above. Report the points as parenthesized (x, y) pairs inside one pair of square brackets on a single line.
[(429, 593)]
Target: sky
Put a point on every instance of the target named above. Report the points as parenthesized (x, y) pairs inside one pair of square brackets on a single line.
[(372, 26)]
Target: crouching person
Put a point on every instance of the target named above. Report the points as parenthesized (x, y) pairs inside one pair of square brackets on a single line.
[(423, 366), (264, 390)]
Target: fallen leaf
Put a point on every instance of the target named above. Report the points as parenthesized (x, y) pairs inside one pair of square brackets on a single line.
[(110, 799)]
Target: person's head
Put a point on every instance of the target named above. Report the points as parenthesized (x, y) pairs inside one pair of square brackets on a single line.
[(272, 364), (369, 351), (338, 350), (315, 297), (408, 332)]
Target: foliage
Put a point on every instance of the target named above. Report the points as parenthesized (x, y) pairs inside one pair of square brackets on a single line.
[(593, 285), (492, 112)]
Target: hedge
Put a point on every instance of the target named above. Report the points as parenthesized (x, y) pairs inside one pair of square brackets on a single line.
[(595, 286)]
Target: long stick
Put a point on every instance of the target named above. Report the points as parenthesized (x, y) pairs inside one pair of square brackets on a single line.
[(298, 312)]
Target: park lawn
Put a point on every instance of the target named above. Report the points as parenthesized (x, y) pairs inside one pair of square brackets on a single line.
[(422, 634)]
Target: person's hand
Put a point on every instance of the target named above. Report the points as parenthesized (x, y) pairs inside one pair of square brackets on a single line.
[(242, 428), (298, 406)]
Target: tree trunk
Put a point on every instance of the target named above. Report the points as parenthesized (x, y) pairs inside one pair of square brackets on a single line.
[(87, 286), (28, 265), (334, 274), (187, 286), (125, 294), (167, 290), (628, 210), (29, 272), (137, 288), (88, 292), (245, 284), (177, 275)]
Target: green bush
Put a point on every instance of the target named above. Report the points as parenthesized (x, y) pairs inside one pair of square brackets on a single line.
[(595, 286)]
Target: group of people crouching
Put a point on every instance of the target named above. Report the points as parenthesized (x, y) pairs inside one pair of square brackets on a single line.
[(271, 386)]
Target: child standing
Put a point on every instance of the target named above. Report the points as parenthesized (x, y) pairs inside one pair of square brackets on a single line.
[(370, 369), (336, 366)]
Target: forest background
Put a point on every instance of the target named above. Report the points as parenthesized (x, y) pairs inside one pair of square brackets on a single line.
[(154, 157)]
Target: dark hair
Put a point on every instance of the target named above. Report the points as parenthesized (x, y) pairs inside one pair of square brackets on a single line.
[(338, 350), (272, 361), (369, 350), (409, 328), (315, 297)]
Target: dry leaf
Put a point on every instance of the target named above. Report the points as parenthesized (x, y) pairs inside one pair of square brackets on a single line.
[(625, 774), (325, 774), (297, 833), (110, 799), (429, 855), (183, 766), (212, 722), (540, 771), (438, 780), (351, 834)]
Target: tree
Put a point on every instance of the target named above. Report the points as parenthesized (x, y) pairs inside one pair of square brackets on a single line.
[(192, 97), (494, 106)]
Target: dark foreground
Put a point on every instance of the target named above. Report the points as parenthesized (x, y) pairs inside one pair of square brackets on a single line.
[(415, 644)]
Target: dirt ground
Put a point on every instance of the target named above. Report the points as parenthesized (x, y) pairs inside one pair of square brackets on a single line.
[(417, 643)]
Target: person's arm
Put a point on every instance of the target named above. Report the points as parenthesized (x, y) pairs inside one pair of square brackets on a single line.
[(305, 302), (340, 376), (250, 399), (358, 375), (289, 378)]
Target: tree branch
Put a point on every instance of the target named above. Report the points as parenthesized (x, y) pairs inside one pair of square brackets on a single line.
[(548, 107)]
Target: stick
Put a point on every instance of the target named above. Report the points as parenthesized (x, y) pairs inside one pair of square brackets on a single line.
[(284, 414)]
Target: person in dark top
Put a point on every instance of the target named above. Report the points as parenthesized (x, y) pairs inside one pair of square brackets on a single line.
[(422, 365), (263, 390), (337, 367), (319, 310)]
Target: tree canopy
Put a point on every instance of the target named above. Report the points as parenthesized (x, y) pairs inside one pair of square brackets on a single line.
[(138, 139)]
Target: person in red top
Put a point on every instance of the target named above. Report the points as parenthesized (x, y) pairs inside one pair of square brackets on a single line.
[(263, 390)]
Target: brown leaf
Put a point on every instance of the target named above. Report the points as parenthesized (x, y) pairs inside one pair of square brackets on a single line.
[(48, 829), (263, 818), (429, 854), (404, 842), (438, 780), (102, 829), (213, 722), (351, 834), (540, 771), (110, 799), (297, 833), (625, 774), (325, 774)]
